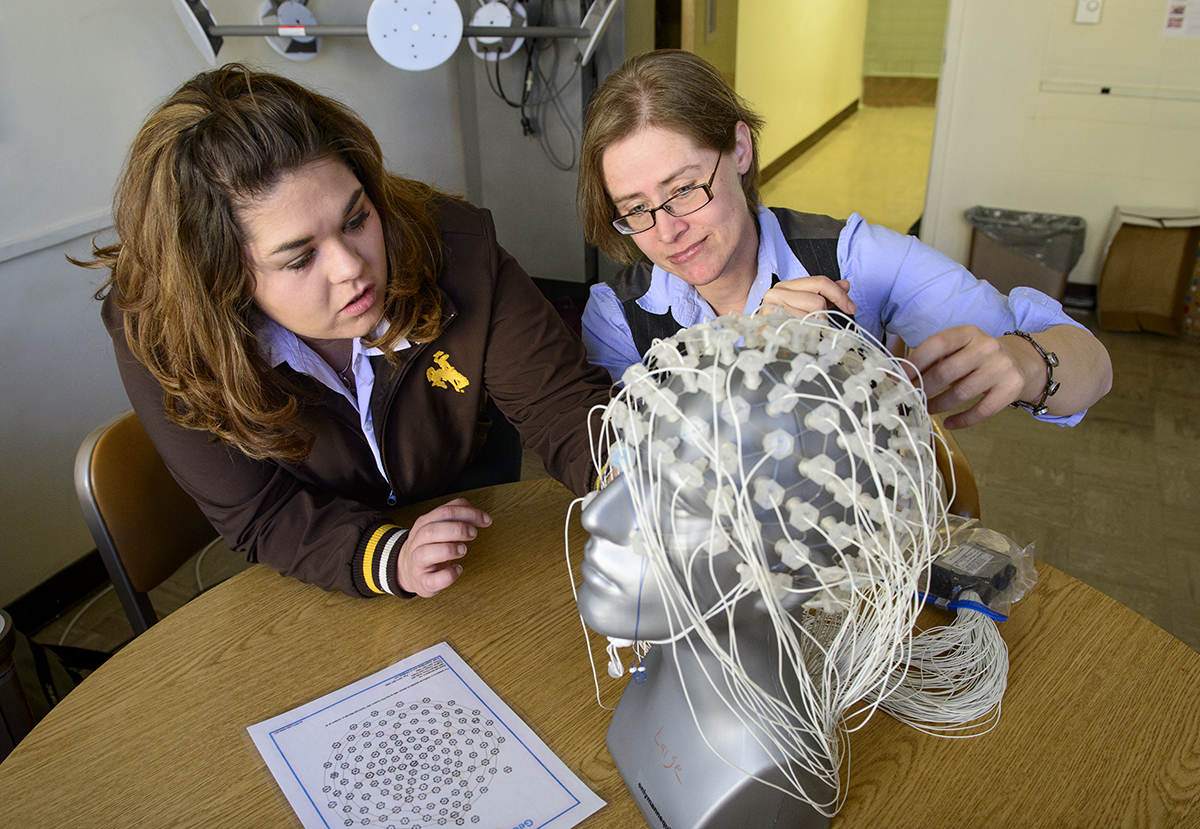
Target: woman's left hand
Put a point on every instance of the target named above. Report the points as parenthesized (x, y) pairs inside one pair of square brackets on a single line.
[(962, 363), (428, 559)]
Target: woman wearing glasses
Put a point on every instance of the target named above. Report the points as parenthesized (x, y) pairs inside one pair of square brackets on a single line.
[(668, 187)]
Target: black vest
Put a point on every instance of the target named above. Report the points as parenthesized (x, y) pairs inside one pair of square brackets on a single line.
[(811, 237)]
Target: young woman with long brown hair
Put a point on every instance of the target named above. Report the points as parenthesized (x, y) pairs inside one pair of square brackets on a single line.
[(309, 339)]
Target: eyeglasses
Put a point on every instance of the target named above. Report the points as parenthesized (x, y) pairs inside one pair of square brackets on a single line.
[(686, 201)]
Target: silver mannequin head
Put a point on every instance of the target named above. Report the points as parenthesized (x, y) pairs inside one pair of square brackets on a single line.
[(756, 452), (769, 467)]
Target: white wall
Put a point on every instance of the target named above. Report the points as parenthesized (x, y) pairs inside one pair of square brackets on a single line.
[(528, 181), (1003, 141), (904, 38), (76, 81), (532, 201), (799, 63)]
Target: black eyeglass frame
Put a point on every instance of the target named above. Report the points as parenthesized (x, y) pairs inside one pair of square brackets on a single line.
[(707, 188)]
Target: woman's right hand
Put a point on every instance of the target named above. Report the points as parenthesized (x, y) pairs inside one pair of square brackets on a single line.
[(427, 563), (800, 297)]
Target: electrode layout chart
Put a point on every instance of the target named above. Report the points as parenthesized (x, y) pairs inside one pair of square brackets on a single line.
[(424, 742)]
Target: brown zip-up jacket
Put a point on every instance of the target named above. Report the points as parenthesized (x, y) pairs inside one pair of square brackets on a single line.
[(317, 520)]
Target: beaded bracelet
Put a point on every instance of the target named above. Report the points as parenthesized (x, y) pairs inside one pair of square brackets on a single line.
[(1051, 360)]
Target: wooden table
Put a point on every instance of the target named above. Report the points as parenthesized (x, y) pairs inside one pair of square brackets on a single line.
[(1100, 727)]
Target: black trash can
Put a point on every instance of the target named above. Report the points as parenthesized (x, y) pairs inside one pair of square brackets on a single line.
[(1012, 248)]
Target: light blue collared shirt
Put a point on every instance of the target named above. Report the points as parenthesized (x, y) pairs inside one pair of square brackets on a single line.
[(898, 284), (279, 345)]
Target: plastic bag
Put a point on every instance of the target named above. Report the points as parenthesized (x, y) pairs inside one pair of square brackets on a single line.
[(982, 562)]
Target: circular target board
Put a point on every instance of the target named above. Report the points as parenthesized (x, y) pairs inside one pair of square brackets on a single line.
[(195, 17), (291, 14), (414, 34)]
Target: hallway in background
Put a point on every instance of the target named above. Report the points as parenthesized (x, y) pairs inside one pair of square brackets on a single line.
[(875, 163)]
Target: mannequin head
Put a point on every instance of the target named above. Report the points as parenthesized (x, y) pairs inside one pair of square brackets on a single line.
[(770, 468), (764, 461)]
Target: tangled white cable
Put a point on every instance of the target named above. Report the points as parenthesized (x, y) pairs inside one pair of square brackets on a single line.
[(776, 507), (954, 678)]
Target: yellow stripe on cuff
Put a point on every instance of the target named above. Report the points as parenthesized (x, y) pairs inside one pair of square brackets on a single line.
[(369, 557)]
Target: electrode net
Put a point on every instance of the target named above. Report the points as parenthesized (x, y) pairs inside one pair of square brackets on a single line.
[(812, 453)]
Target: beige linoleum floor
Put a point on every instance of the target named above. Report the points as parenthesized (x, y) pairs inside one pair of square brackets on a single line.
[(1114, 502)]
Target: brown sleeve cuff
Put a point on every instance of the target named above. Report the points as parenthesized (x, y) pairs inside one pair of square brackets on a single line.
[(374, 563)]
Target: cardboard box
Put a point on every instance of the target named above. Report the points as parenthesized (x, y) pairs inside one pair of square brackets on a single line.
[(1149, 259), (1191, 305), (1007, 269)]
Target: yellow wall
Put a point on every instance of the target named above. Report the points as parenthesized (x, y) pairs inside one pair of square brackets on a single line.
[(799, 62), (639, 28), (904, 38), (709, 29)]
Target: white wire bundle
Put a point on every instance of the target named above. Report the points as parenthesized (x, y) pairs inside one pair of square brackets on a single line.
[(832, 517), (955, 679)]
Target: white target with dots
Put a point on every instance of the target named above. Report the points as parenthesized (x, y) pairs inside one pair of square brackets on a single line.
[(422, 744)]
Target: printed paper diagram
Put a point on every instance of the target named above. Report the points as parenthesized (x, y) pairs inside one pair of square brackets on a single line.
[(422, 743)]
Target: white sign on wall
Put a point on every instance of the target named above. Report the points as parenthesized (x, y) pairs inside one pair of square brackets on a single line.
[(1183, 19)]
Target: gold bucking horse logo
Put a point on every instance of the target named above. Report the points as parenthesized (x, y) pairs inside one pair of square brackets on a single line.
[(445, 375)]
